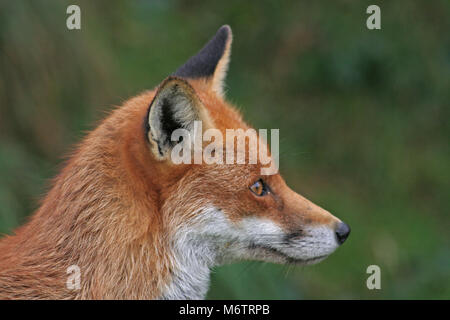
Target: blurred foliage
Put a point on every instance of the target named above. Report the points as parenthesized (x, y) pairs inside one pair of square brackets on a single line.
[(363, 118)]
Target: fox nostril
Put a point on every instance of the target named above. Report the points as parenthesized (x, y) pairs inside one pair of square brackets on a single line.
[(342, 232)]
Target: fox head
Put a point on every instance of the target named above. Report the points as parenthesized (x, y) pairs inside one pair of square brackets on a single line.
[(223, 212), (141, 224)]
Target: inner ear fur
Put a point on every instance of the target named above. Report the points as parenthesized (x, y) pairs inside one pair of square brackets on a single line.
[(175, 106)]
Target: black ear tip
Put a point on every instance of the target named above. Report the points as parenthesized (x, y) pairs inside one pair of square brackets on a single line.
[(226, 30), (204, 63), (222, 37)]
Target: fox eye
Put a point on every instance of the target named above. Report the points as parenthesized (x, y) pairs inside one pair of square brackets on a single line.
[(259, 188)]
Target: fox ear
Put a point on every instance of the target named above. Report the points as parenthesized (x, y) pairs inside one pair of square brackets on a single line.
[(175, 106), (211, 62)]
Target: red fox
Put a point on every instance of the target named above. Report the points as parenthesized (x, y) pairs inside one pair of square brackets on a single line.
[(138, 226)]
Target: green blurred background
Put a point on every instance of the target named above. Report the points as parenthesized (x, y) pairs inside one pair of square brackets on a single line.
[(363, 118)]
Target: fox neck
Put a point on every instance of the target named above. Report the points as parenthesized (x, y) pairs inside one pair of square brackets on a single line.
[(190, 276), (198, 245)]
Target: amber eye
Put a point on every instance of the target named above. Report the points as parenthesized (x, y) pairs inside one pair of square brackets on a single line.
[(259, 188)]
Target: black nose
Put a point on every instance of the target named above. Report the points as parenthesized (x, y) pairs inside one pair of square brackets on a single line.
[(342, 232)]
